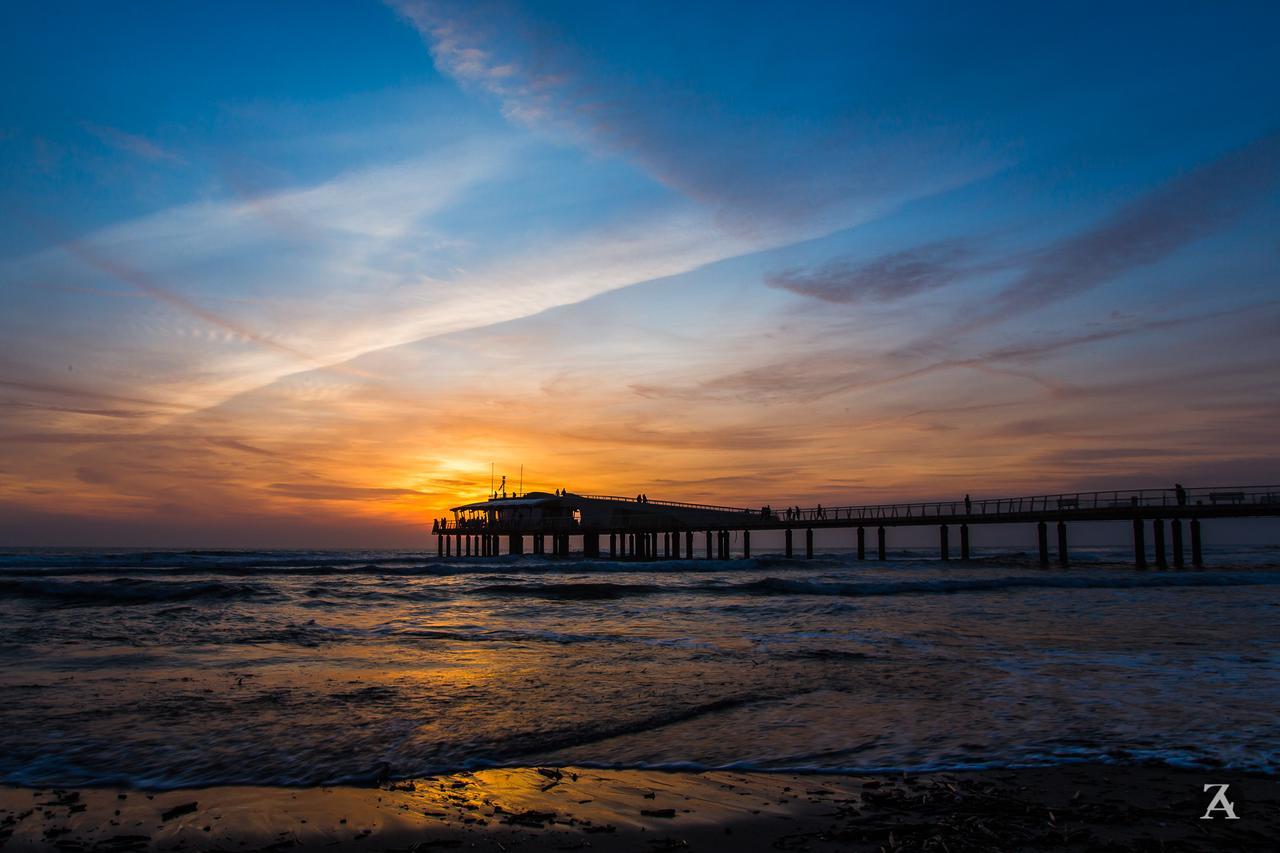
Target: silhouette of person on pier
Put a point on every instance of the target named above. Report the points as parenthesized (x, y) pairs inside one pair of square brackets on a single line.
[(968, 505), (1181, 494)]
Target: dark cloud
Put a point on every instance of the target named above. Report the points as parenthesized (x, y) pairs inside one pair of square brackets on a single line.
[(327, 492), (128, 414), (724, 438), (94, 476), (123, 438), (236, 444), (1147, 230), (1093, 455), (883, 279), (61, 390), (1144, 232)]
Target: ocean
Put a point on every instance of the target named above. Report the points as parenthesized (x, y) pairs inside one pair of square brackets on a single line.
[(165, 669)]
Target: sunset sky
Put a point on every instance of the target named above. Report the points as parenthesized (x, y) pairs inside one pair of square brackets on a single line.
[(296, 274)]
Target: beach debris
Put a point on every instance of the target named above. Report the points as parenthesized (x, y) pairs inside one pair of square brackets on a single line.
[(123, 843), (62, 798), (550, 773), (179, 811), (658, 812), (531, 818)]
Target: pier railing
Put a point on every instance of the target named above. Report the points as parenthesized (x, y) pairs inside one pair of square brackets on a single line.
[(675, 504), (1214, 496)]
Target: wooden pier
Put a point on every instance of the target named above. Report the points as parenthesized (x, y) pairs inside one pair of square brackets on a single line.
[(641, 529)]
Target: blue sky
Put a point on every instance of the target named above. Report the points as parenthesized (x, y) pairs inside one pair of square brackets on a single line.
[(273, 268)]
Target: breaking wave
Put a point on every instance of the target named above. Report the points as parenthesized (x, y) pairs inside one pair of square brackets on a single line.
[(590, 591), (125, 591), (791, 586)]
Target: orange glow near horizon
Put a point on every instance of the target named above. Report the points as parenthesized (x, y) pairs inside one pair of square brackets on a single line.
[(378, 460)]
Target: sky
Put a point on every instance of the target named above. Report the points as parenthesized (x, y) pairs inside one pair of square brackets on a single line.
[(298, 274)]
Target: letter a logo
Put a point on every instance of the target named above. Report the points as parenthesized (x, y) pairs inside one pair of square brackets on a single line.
[(1219, 803)]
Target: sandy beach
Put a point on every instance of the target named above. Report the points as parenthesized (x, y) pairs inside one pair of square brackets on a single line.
[(1084, 807)]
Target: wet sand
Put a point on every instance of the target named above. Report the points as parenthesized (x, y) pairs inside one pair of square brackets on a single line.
[(1076, 807)]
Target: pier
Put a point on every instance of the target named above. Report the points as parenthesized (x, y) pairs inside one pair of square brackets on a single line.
[(603, 526)]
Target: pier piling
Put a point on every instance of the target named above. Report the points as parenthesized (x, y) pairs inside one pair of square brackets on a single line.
[(880, 542), (1042, 539), (1197, 558), (746, 544), (787, 541), (862, 543), (1157, 541), (944, 546), (1175, 528), (1063, 559), (964, 541), (808, 543), (1139, 544)]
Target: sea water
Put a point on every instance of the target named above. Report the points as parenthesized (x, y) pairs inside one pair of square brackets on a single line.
[(164, 669)]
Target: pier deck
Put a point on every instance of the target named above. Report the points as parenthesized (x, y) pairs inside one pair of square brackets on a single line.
[(650, 529)]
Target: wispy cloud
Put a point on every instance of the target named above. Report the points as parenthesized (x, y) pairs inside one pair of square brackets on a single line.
[(133, 143), (352, 290), (754, 172), (1147, 230), (887, 278), (814, 376)]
